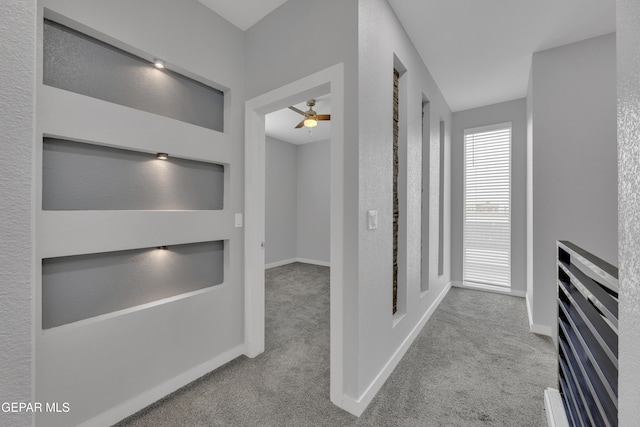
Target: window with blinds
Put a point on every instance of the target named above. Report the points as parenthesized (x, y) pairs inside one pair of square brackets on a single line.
[(487, 206)]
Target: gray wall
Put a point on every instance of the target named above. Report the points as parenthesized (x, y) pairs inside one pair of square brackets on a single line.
[(195, 42), (574, 160), (281, 206), (77, 176), (79, 287), (297, 201), (380, 333), (628, 40), (275, 56), (514, 112), (313, 163), (17, 79), (78, 63)]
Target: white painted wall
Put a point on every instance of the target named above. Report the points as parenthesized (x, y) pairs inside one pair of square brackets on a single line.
[(514, 112), (382, 339), (628, 39), (297, 225), (313, 198), (153, 349), (17, 84), (270, 68), (573, 114), (281, 201), (373, 340)]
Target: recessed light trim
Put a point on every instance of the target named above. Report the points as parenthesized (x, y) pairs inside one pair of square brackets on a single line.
[(162, 156), (159, 64)]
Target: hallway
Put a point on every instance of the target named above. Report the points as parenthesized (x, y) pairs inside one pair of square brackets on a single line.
[(474, 364)]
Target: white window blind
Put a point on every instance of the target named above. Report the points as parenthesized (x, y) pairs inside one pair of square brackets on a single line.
[(487, 206)]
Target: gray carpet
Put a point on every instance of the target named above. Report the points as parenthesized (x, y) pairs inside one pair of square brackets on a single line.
[(474, 364)]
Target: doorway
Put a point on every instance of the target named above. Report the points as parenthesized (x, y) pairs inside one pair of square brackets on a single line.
[(329, 81)]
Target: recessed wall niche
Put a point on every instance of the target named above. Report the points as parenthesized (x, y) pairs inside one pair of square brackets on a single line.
[(79, 176), (80, 287), (79, 63)]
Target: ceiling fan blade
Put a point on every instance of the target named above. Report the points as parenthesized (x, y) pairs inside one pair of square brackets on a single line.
[(296, 110), (323, 117), (300, 124)]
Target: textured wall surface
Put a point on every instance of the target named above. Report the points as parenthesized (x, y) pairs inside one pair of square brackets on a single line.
[(17, 79), (281, 204), (574, 160), (628, 40), (313, 201), (514, 112), (81, 64), (157, 349), (77, 176), (380, 334)]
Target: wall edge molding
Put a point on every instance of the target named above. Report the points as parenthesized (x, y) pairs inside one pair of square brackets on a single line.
[(358, 406), (141, 401), (536, 328), (292, 260)]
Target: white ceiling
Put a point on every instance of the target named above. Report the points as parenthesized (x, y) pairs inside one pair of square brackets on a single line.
[(281, 124), (478, 51), (242, 13)]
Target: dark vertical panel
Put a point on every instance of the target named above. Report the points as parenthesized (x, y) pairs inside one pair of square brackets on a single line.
[(425, 203), (396, 208)]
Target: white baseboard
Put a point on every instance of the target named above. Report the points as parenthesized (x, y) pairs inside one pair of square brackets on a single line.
[(279, 263), (357, 406), (292, 260), (535, 328), (556, 416), (488, 288), (145, 399)]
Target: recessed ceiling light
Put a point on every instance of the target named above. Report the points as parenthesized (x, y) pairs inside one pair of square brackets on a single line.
[(159, 63), (162, 156)]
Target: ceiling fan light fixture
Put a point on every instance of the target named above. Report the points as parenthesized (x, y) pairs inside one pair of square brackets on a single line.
[(310, 122)]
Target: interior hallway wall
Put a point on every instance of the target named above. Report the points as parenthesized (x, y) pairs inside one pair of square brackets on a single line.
[(276, 56), (281, 201), (314, 197), (573, 116), (156, 348), (297, 202), (17, 103), (514, 112), (628, 60)]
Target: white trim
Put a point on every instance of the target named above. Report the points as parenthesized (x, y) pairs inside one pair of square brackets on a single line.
[(280, 263), (357, 407), (330, 80), (314, 262), (154, 394), (488, 288), (556, 415), (292, 260), (535, 328)]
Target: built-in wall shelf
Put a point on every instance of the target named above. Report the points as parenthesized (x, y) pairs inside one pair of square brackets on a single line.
[(79, 63), (79, 176), (587, 337), (84, 286)]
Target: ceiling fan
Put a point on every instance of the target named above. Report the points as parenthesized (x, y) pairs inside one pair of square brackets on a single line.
[(311, 118)]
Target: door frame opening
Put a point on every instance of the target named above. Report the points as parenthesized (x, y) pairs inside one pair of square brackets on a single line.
[(329, 81)]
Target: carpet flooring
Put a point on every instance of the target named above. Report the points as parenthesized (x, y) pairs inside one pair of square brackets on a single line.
[(474, 364)]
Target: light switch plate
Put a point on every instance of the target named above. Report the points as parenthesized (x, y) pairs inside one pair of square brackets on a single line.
[(238, 220), (372, 220)]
